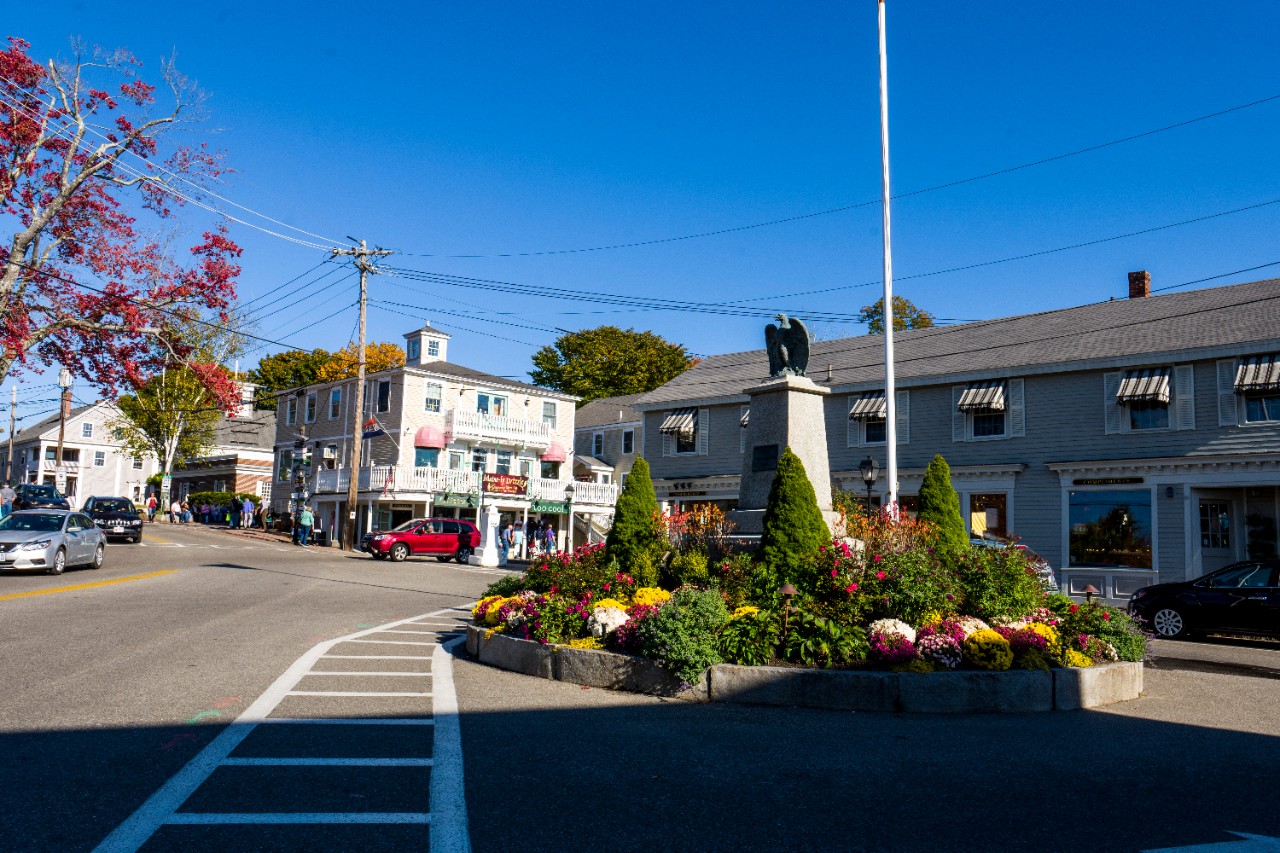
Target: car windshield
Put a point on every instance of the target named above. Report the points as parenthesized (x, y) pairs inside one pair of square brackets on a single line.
[(112, 505), (408, 525), (41, 492), (37, 522)]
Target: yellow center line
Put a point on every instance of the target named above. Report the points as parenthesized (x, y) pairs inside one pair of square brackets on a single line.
[(13, 595), (148, 536)]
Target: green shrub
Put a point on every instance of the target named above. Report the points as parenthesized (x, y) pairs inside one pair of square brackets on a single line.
[(220, 500), (644, 568), (999, 582), (751, 640), (506, 586), (733, 576), (689, 568), (793, 526), (919, 666), (1111, 624), (939, 505), (683, 635), (916, 583), (585, 570), (637, 530), (815, 641)]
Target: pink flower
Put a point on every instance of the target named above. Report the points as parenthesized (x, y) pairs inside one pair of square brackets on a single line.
[(876, 558), (853, 587), (834, 573), (879, 576), (606, 587), (822, 548), (554, 589), (1075, 607)]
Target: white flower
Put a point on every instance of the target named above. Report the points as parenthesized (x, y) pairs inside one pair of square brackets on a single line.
[(892, 626), (971, 625), (606, 620)]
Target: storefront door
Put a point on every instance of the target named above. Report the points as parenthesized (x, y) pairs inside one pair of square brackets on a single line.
[(1219, 533)]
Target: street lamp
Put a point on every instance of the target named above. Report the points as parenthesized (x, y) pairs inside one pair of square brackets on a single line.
[(870, 471), (568, 496), (65, 381)]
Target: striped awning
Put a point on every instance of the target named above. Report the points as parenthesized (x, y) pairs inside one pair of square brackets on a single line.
[(871, 406), (1258, 373), (1150, 385), (983, 397), (746, 418), (680, 421)]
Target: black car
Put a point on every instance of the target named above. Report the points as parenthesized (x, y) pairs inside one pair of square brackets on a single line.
[(36, 496), (1243, 598), (116, 517)]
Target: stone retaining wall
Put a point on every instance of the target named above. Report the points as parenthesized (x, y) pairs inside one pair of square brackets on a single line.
[(958, 692)]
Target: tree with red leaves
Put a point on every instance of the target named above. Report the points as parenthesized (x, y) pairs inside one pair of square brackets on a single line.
[(85, 283)]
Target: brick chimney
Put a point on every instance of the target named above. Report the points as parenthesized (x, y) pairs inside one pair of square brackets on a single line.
[(1139, 284)]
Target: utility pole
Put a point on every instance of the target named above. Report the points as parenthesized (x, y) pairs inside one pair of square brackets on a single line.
[(13, 405), (361, 256), (65, 381)]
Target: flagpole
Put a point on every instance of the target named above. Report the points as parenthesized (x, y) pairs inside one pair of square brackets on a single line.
[(890, 398)]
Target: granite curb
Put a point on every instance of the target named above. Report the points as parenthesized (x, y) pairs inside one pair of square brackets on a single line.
[(958, 692)]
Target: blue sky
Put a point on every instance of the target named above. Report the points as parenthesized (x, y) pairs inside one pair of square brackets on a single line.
[(496, 128)]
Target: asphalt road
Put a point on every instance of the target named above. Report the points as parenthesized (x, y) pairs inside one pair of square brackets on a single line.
[(111, 690)]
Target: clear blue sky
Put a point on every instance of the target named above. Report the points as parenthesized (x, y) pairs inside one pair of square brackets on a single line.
[(478, 128)]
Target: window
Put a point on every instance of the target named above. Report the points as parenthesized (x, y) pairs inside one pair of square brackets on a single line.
[(550, 471), (597, 444), (455, 460), (424, 457), (137, 463), (1148, 414), (219, 485), (628, 442), (86, 430), (549, 414), (415, 349), (680, 430), (311, 408), (384, 395), (987, 410), (335, 403), (433, 349), (1215, 525), (291, 411), (868, 412), (479, 459), (432, 393), (1150, 398), (491, 404), (1262, 408), (503, 465), (986, 424), (988, 516), (1110, 529), (284, 467), (526, 467), (873, 431), (99, 458)]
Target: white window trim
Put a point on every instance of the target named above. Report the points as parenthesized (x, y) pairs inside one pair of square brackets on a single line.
[(335, 411), (1181, 405), (427, 398), (311, 408), (701, 439), (291, 411), (433, 348), (1015, 416), (597, 444), (550, 414), (628, 434), (99, 459), (86, 430)]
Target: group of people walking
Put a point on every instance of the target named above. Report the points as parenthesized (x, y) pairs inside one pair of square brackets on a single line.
[(237, 514), (532, 538)]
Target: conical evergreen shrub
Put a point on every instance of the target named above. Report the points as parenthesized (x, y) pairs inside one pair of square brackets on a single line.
[(939, 505), (793, 525), (634, 537)]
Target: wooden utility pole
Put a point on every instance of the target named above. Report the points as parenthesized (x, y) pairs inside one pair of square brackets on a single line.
[(13, 405), (361, 257)]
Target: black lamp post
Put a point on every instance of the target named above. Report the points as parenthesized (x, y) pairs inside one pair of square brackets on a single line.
[(870, 472)]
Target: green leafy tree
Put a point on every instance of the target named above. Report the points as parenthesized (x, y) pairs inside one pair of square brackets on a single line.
[(793, 525), (939, 505), (171, 416), (285, 370), (636, 533), (607, 362), (905, 316)]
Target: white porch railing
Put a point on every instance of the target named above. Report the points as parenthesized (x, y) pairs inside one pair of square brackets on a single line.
[(518, 432), (406, 479)]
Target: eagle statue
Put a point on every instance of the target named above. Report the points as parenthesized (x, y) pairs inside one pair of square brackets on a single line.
[(788, 346)]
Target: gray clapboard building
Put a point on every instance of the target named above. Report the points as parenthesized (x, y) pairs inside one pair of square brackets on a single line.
[(1125, 442)]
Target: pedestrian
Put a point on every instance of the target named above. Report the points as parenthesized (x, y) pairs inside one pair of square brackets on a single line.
[(7, 496), (233, 516), (533, 529), (549, 533), (152, 504), (205, 509), (259, 519), (504, 544), (246, 513), (517, 541), (186, 512), (175, 511), (306, 519)]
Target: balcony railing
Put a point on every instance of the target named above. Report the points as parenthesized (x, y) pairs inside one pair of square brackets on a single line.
[(517, 432), (406, 480)]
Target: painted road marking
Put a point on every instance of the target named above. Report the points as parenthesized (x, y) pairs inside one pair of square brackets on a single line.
[(327, 762), (390, 631), (353, 721), (195, 818), (348, 693), (393, 642), (92, 585), (379, 674), (449, 832), (378, 657)]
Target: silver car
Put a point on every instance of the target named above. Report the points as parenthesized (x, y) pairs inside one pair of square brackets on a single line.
[(50, 539)]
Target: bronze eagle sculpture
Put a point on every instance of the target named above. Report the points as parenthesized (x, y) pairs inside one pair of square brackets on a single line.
[(788, 347)]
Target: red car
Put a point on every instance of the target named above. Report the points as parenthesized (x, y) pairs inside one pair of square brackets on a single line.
[(441, 538)]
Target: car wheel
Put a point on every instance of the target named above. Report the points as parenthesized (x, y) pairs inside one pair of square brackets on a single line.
[(1168, 623), (464, 554), (59, 563), (399, 552), (98, 556)]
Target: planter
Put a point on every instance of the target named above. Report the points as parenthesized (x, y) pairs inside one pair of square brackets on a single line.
[(958, 692)]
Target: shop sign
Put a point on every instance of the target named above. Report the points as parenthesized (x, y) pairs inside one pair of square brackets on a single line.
[(504, 484), (686, 494), (549, 507), (1108, 481), (456, 500)]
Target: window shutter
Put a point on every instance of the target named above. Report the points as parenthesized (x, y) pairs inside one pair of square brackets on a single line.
[(668, 448), (704, 424), (853, 429), (1228, 406), (903, 419), (1017, 409), (742, 432), (1113, 414), (957, 416), (1184, 396)]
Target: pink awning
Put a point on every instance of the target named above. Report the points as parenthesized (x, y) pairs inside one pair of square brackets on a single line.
[(428, 437), (555, 453)]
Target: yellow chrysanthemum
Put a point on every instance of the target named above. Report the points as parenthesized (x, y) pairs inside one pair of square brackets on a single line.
[(986, 649), (480, 605), (1075, 658), (609, 602), (744, 610), (1049, 633), (649, 596), (586, 643), (491, 616)]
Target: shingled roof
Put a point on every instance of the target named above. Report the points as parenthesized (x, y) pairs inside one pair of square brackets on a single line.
[(1232, 320), (606, 411)]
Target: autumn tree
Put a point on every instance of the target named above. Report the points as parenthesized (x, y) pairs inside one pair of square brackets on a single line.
[(905, 316), (85, 283), (607, 362), (342, 364), (285, 370)]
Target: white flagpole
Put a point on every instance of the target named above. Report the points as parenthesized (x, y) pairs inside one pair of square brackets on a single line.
[(891, 407)]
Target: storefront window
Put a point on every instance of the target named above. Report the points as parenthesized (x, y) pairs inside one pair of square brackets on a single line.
[(987, 515), (1111, 529), (425, 458)]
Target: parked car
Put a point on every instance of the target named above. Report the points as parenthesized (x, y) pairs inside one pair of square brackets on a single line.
[(1242, 598), (50, 539), (115, 517), (37, 496), (1040, 564), (442, 538)]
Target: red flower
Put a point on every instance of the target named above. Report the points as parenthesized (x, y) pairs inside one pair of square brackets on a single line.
[(876, 558), (606, 587), (879, 576), (554, 589), (834, 573), (1106, 615), (1075, 607), (853, 587)]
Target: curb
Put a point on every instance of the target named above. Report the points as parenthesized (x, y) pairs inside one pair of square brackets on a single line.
[(958, 692)]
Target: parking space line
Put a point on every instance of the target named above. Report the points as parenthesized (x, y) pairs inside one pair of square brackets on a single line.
[(349, 693), (327, 762), (353, 721), (397, 631), (393, 642), (377, 657), (379, 674), (14, 595), (201, 818)]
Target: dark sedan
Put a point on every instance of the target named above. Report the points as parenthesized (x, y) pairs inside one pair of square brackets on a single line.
[(37, 496), (1243, 598), (115, 517)]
